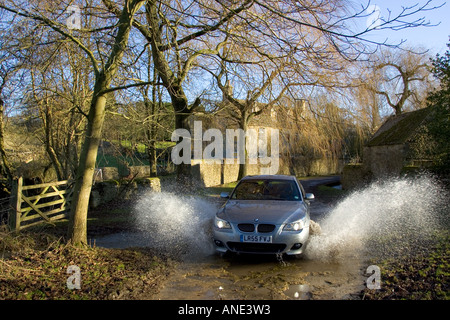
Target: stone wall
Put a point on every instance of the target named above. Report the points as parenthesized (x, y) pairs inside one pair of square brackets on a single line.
[(106, 191), (112, 173), (354, 176), (379, 162), (211, 173), (313, 167), (385, 160)]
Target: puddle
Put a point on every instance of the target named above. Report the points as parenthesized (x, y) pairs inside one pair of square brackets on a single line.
[(122, 240), (299, 292)]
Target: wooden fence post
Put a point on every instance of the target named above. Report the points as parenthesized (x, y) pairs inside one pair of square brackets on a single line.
[(16, 203)]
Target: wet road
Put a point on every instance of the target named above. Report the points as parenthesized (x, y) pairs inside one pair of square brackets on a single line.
[(257, 277), (263, 277)]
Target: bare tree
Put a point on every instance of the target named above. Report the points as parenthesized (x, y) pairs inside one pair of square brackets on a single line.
[(259, 97), (104, 74), (5, 166), (11, 75), (172, 56)]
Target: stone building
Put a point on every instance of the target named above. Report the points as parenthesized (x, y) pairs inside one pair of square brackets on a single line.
[(399, 144)]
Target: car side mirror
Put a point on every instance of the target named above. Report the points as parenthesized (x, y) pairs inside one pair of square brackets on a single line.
[(225, 195), (309, 196)]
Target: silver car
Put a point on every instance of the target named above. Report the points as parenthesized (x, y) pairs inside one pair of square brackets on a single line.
[(264, 214)]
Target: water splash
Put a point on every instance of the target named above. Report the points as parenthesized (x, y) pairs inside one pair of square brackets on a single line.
[(384, 218), (175, 222)]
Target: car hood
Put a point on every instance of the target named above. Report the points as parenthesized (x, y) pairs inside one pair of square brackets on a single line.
[(275, 212)]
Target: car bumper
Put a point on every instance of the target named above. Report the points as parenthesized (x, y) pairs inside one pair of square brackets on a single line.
[(285, 242)]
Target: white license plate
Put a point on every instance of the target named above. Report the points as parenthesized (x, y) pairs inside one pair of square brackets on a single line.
[(256, 239)]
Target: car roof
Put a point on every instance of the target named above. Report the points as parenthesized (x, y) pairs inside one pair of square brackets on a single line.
[(270, 177)]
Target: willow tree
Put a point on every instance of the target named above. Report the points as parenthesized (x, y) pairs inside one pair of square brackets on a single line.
[(399, 77)]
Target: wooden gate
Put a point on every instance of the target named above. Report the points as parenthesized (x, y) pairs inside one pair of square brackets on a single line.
[(35, 204)]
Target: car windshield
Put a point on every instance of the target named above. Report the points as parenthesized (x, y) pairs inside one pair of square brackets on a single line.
[(266, 190)]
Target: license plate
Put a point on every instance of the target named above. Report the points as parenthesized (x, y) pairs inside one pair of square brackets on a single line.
[(256, 239)]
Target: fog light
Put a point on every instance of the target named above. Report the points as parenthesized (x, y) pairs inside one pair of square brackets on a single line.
[(218, 243), (296, 246)]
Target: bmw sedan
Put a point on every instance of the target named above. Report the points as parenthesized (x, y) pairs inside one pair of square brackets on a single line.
[(264, 214)]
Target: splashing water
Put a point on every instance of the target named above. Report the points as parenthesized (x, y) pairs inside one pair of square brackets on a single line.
[(384, 218), (176, 223)]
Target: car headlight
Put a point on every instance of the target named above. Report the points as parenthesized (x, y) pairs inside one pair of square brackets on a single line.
[(295, 226), (221, 224)]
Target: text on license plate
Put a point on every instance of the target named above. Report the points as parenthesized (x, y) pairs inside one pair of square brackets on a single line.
[(255, 238)]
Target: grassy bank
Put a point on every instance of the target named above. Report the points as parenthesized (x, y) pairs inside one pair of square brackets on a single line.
[(423, 275), (35, 266)]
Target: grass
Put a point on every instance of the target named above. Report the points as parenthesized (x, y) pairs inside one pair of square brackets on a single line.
[(119, 161), (423, 275), (34, 266), (142, 148), (217, 190), (109, 160)]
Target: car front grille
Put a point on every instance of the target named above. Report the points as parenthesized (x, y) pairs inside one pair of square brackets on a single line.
[(262, 228), (246, 227), (266, 228)]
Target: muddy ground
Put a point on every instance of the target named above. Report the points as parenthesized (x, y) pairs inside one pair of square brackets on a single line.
[(262, 277)]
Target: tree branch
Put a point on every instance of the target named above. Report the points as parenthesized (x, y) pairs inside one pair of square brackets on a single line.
[(127, 86), (58, 28)]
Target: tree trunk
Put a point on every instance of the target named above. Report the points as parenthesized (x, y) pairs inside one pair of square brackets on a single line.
[(48, 125), (5, 163), (170, 82), (243, 167), (85, 173), (183, 169), (150, 107), (151, 136), (77, 232)]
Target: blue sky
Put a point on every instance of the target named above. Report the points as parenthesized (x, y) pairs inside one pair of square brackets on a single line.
[(432, 38)]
